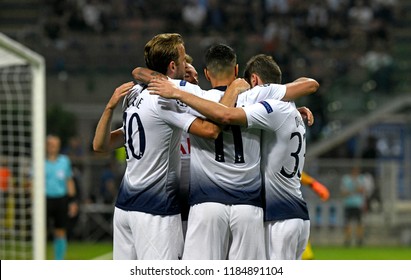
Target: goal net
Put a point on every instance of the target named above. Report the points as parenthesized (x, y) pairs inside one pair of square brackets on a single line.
[(22, 138)]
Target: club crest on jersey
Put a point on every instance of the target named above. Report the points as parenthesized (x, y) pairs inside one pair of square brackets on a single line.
[(183, 83)]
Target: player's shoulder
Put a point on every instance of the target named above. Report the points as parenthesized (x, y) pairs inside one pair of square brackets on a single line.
[(136, 90), (263, 92), (138, 87), (184, 84), (269, 86), (189, 87), (278, 107), (213, 94), (167, 106), (181, 83)]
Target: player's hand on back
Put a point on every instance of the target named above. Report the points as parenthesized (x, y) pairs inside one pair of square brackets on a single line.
[(240, 85), (163, 87), (307, 115), (118, 94)]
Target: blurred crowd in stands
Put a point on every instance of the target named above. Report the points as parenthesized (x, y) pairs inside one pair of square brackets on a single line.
[(341, 43), (285, 28), (346, 45)]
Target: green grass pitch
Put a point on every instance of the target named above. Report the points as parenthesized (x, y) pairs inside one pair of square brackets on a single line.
[(88, 251)]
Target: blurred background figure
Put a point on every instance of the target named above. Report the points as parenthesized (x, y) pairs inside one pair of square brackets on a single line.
[(5, 175), (77, 155), (5, 182), (108, 183), (353, 190), (324, 194), (379, 64), (317, 187), (60, 192), (370, 153)]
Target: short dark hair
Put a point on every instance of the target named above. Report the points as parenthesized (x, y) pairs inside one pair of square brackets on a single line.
[(220, 58), (265, 67)]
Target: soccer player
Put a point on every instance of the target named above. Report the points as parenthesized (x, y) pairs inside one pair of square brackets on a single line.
[(283, 148), (60, 191), (190, 76), (236, 172), (225, 221), (147, 221), (259, 70)]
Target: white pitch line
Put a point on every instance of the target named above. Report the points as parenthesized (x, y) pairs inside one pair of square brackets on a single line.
[(108, 256)]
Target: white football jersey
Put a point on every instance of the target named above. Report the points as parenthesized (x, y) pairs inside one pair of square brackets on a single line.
[(152, 126), (283, 155), (185, 174), (227, 170)]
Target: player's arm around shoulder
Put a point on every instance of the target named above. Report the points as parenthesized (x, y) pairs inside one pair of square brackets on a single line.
[(237, 87), (301, 87), (145, 75), (204, 128), (211, 110)]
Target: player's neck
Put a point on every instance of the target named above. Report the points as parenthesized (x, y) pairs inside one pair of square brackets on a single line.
[(221, 82)]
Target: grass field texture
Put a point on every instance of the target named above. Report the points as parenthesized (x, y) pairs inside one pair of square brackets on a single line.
[(88, 251)]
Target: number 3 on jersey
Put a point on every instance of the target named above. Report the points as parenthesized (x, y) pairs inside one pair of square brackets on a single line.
[(296, 156)]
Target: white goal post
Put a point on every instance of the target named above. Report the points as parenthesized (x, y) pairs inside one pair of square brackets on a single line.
[(22, 151)]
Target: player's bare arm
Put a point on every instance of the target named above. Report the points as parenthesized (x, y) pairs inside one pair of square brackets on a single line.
[(238, 86), (212, 110), (204, 128), (106, 140), (145, 75), (301, 87), (199, 127)]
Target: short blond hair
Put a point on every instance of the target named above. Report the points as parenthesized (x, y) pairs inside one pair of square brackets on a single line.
[(161, 50)]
